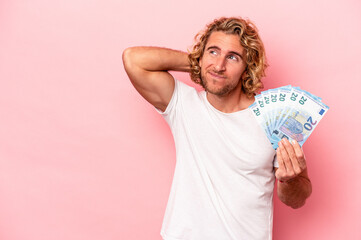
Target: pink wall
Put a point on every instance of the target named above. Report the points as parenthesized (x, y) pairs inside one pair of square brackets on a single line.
[(82, 156)]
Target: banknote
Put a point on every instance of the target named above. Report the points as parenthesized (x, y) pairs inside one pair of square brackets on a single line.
[(288, 112)]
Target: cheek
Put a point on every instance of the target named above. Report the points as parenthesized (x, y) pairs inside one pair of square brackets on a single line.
[(242, 71), (236, 74), (205, 62), (202, 65)]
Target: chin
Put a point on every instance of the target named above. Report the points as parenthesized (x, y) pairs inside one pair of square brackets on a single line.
[(219, 91)]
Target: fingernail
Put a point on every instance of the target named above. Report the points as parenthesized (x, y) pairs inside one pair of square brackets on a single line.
[(293, 141)]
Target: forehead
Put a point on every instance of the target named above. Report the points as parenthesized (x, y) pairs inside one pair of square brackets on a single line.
[(225, 41)]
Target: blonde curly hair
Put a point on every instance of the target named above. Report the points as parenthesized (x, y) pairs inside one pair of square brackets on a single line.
[(249, 39)]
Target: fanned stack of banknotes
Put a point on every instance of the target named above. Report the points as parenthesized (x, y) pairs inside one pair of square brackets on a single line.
[(288, 112)]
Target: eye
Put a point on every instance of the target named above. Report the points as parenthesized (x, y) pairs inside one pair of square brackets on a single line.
[(212, 52), (233, 57)]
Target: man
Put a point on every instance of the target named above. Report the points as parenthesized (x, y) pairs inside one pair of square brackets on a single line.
[(225, 169)]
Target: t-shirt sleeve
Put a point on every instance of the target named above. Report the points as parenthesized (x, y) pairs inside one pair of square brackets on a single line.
[(170, 111), (275, 162)]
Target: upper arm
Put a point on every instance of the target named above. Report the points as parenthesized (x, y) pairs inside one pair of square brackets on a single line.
[(155, 86)]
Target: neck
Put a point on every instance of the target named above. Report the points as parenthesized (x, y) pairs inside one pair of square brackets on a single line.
[(234, 101)]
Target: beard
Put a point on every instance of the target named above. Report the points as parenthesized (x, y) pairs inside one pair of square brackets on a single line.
[(218, 91)]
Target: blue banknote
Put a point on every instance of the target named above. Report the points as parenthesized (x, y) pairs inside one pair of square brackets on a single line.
[(288, 112)]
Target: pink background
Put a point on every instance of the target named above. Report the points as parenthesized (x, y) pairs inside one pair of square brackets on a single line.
[(83, 156)]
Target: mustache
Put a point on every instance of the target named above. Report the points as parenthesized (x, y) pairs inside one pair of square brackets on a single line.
[(219, 73)]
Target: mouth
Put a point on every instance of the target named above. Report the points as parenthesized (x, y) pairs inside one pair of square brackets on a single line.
[(215, 75)]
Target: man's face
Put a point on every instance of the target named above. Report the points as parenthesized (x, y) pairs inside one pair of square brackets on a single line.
[(222, 64)]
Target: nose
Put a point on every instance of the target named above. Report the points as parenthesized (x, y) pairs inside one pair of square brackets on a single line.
[(220, 64)]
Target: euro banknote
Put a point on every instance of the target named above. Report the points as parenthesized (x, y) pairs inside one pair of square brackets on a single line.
[(288, 112)]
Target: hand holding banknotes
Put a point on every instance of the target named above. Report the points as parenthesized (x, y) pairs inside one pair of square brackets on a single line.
[(294, 186), (289, 114), (291, 160)]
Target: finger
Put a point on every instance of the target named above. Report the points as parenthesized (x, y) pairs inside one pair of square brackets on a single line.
[(280, 161), (292, 155), (299, 154), (286, 159)]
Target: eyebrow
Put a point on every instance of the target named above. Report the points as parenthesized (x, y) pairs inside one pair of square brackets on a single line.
[(234, 52)]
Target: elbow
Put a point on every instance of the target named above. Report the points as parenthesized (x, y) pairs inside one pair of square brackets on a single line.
[(132, 59), (127, 56)]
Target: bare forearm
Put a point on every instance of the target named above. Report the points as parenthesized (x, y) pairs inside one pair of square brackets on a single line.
[(156, 59), (295, 191)]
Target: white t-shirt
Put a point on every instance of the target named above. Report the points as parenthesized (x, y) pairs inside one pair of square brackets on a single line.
[(223, 182)]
